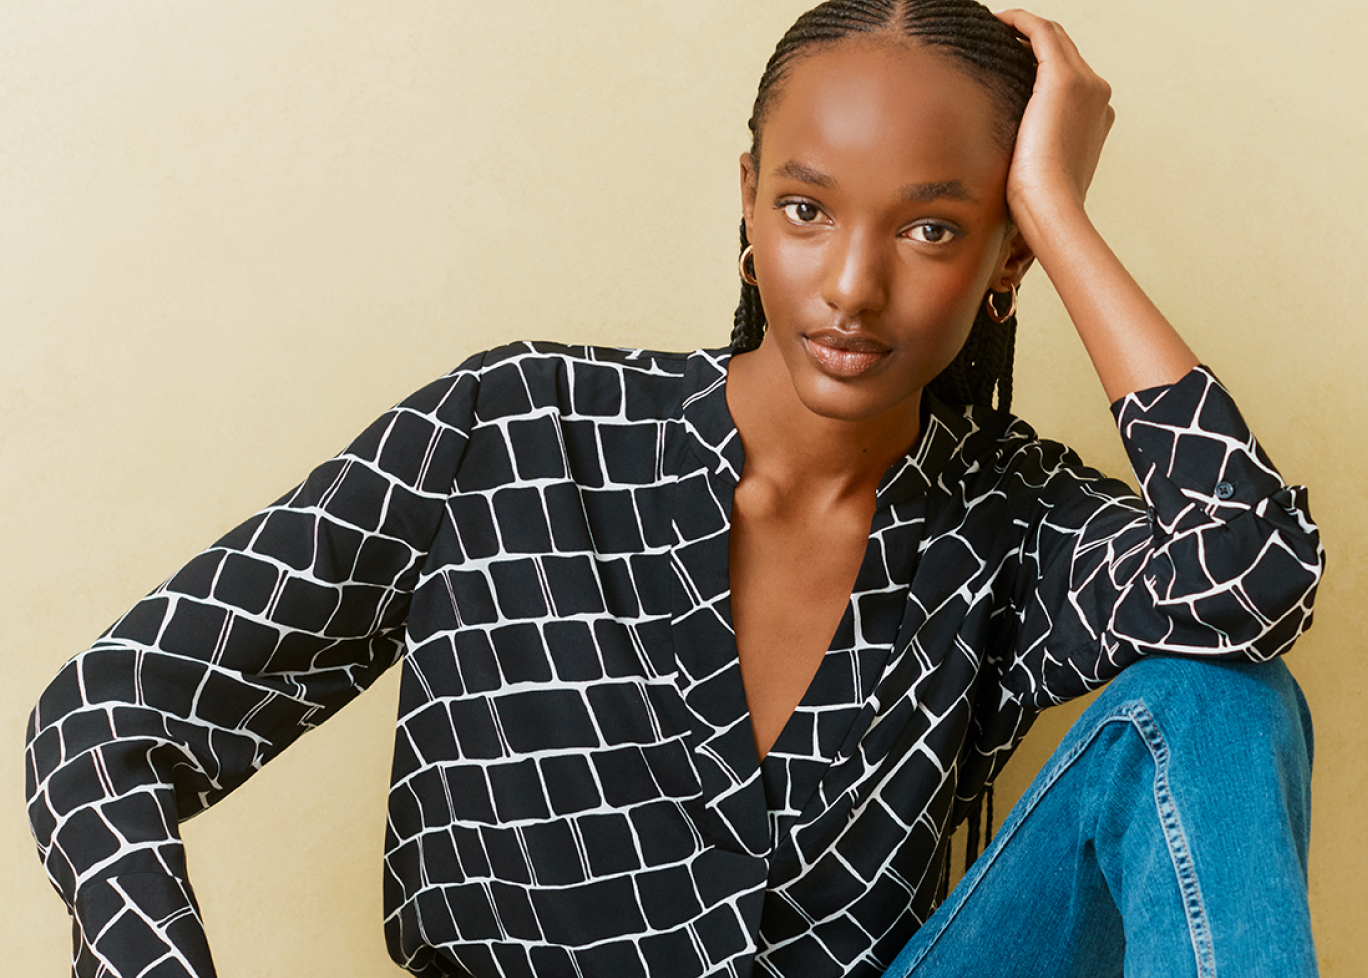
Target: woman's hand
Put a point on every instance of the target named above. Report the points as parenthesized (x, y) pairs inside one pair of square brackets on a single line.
[(1065, 125)]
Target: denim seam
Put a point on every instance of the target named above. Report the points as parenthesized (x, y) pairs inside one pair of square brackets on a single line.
[(1194, 910)]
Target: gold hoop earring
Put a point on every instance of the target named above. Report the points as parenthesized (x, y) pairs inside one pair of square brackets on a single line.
[(747, 277), (992, 309)]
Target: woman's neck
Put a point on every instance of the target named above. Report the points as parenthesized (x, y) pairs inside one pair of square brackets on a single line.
[(790, 448)]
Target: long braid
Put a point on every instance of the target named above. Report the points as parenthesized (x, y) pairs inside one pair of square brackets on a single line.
[(748, 328), (983, 365), (967, 31)]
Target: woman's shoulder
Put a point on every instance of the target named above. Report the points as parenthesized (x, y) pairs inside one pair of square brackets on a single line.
[(530, 376), (988, 438), (533, 352), (998, 453)]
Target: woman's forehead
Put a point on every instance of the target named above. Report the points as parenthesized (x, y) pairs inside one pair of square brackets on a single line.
[(864, 98)]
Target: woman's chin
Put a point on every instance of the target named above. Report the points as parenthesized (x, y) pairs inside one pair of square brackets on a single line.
[(854, 402)]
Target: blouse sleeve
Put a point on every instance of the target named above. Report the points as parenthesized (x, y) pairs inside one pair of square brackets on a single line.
[(258, 639), (1219, 559)]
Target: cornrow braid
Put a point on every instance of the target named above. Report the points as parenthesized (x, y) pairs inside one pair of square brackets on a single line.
[(991, 51), (982, 366)]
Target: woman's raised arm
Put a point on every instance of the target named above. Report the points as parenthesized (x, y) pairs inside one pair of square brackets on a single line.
[(1132, 346)]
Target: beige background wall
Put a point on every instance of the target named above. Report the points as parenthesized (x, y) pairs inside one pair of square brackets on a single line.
[(230, 234)]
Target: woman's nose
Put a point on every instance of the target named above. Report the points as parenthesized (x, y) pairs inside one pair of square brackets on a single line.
[(856, 279)]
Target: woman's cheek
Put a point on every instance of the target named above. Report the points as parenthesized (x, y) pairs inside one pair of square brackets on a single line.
[(956, 292), (788, 272)]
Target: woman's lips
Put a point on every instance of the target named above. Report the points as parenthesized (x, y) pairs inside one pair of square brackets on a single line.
[(845, 354)]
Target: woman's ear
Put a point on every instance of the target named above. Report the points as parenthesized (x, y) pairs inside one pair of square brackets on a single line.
[(1016, 259), (748, 179)]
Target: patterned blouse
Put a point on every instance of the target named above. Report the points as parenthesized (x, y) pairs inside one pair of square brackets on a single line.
[(541, 538)]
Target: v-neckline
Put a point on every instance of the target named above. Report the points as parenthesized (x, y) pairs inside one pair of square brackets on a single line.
[(736, 786)]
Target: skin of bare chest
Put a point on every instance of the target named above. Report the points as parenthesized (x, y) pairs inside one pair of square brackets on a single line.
[(794, 562)]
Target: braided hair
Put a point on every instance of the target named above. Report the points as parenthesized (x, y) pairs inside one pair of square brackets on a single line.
[(966, 31)]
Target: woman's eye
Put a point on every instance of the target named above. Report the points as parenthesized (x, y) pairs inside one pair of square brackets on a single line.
[(802, 212), (931, 233)]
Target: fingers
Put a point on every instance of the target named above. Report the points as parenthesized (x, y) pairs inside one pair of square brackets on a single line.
[(1055, 51), (1033, 27), (1048, 40)]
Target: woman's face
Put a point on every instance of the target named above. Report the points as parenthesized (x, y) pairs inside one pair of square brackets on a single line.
[(878, 214)]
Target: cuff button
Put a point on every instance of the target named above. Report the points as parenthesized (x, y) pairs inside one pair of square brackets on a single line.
[(1224, 490)]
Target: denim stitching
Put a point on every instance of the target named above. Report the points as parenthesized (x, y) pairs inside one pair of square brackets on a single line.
[(1199, 928), (1134, 713)]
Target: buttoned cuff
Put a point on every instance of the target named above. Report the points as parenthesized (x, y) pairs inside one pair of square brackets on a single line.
[(1192, 452)]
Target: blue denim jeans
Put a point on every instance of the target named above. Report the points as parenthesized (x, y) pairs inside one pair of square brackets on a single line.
[(1167, 836)]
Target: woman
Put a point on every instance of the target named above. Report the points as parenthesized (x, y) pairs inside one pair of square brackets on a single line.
[(626, 743)]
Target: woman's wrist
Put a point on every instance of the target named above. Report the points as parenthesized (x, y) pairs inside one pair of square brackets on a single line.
[(1048, 218)]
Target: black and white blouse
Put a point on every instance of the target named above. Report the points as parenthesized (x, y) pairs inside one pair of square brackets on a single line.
[(541, 537)]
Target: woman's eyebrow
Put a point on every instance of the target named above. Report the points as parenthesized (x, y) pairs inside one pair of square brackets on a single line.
[(804, 174), (921, 193), (912, 193)]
